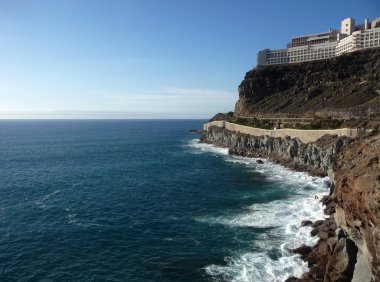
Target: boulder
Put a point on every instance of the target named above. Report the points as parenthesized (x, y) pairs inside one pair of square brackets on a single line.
[(303, 250), (306, 223)]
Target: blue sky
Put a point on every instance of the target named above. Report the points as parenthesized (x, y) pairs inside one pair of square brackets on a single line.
[(145, 58)]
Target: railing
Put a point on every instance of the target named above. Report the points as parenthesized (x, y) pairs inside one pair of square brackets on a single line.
[(306, 136)]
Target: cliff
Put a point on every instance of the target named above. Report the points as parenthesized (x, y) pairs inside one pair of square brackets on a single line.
[(349, 245), (318, 158), (357, 198), (345, 86)]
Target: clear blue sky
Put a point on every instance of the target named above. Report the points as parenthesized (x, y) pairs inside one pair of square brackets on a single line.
[(145, 58)]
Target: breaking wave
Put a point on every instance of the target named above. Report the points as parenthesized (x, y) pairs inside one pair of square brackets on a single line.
[(269, 256)]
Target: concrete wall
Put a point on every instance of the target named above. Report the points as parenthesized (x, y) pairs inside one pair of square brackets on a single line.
[(347, 26), (347, 44), (361, 39), (312, 52), (306, 136), (375, 23), (262, 57)]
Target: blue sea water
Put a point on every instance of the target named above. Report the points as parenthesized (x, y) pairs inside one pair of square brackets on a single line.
[(123, 200)]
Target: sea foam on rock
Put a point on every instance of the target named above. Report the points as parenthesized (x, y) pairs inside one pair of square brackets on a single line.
[(349, 239), (317, 158), (278, 219)]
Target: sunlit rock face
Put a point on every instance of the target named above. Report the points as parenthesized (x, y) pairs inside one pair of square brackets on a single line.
[(349, 244), (357, 197), (345, 86), (317, 158)]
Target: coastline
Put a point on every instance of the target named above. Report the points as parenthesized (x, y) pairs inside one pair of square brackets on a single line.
[(336, 254), (317, 158), (280, 217)]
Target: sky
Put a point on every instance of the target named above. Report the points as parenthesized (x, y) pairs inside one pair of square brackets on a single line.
[(145, 58)]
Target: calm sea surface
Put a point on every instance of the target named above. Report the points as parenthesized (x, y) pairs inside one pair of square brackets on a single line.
[(143, 201)]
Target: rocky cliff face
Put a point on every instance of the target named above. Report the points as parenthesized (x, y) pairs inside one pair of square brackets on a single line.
[(317, 158), (357, 198), (349, 245), (348, 85)]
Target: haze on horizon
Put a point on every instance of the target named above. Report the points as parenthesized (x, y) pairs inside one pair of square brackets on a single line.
[(145, 58)]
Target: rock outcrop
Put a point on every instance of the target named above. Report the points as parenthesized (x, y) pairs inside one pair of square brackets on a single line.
[(344, 86), (349, 245), (317, 158), (357, 198)]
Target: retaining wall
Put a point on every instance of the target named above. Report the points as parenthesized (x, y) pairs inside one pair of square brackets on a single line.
[(306, 136)]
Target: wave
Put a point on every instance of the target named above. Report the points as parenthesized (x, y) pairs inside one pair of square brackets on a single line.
[(205, 148), (281, 218)]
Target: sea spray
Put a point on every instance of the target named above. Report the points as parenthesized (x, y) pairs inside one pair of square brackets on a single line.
[(269, 257)]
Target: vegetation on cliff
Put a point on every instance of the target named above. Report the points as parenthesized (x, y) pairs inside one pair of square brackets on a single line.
[(315, 123)]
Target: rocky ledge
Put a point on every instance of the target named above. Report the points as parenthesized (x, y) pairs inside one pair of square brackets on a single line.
[(318, 158), (349, 244)]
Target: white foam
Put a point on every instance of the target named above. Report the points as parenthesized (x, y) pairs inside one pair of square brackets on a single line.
[(205, 148), (282, 217), (44, 200), (72, 218), (258, 267)]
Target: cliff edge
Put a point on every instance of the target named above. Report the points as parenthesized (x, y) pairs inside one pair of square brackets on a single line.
[(349, 239), (357, 198), (345, 86), (342, 87)]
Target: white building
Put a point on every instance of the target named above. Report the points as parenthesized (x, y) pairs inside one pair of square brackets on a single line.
[(347, 44), (312, 52), (347, 26), (270, 57), (359, 40), (325, 45)]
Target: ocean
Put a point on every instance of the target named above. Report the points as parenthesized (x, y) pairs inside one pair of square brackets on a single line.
[(142, 200)]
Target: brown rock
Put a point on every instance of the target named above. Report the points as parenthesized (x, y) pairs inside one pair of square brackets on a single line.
[(303, 250), (329, 87)]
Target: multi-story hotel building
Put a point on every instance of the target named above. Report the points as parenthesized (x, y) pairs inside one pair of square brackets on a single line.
[(325, 45)]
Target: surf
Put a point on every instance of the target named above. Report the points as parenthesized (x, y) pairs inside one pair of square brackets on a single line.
[(269, 257)]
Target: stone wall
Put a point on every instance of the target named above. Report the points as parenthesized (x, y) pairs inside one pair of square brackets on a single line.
[(306, 136)]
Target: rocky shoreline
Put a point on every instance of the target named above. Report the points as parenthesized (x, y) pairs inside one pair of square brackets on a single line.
[(349, 244), (318, 158)]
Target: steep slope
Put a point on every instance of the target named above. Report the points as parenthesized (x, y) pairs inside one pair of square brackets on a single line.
[(357, 198), (349, 244), (345, 86)]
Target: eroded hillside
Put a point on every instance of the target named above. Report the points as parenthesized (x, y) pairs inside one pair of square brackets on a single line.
[(345, 86)]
